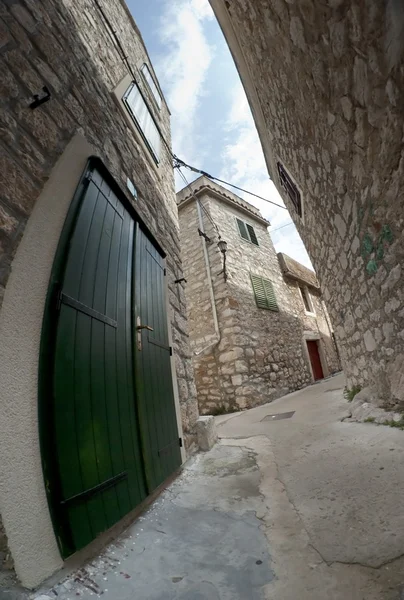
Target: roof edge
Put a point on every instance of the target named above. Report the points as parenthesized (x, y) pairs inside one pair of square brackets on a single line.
[(222, 196)]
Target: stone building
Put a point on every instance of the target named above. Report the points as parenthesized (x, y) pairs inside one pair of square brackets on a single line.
[(249, 330), (325, 86), (87, 193)]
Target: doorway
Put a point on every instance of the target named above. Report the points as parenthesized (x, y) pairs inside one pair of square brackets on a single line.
[(108, 428), (315, 359)]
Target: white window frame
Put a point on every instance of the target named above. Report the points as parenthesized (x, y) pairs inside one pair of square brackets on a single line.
[(312, 311), (155, 152), (153, 87), (248, 233)]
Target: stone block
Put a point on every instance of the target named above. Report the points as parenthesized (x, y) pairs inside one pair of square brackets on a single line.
[(206, 432)]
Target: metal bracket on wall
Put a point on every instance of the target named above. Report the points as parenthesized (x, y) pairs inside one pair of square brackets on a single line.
[(38, 101)]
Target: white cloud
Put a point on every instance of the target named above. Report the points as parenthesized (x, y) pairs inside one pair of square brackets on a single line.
[(184, 67), (245, 166)]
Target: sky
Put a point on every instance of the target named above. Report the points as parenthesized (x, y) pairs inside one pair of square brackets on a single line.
[(211, 123)]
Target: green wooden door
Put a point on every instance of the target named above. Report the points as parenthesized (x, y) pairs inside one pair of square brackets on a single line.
[(160, 442), (107, 416), (95, 422)]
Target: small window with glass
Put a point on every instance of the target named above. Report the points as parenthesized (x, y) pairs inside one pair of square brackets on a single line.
[(143, 118), (152, 84)]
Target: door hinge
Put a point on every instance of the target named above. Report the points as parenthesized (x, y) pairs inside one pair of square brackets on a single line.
[(180, 442), (88, 176), (171, 350), (165, 272)]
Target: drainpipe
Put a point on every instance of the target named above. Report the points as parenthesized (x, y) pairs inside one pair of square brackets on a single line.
[(211, 292)]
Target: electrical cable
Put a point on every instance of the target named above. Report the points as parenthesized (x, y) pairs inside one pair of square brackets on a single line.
[(177, 161), (281, 227), (124, 59), (188, 185)]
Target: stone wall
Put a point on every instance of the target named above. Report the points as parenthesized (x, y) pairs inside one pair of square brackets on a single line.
[(259, 354), (317, 324), (68, 47), (325, 84)]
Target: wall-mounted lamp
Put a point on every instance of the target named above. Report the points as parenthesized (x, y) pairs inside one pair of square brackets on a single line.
[(222, 245)]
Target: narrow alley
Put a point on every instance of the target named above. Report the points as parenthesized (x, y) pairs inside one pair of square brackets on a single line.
[(296, 505)]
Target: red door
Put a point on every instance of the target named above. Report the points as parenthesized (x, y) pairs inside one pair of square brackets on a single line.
[(312, 346)]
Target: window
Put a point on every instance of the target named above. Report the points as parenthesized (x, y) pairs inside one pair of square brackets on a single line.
[(151, 83), (264, 293), (290, 188), (142, 116), (247, 232), (308, 304)]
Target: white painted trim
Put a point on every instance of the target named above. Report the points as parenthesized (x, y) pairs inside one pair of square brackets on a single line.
[(23, 503), (118, 94)]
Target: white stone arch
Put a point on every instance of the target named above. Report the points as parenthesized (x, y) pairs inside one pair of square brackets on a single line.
[(23, 503)]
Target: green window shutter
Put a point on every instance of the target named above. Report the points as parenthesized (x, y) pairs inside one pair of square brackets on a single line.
[(253, 237), (242, 229), (264, 293), (270, 294)]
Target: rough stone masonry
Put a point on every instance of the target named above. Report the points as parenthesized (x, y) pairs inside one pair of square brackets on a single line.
[(250, 356), (325, 82), (67, 47)]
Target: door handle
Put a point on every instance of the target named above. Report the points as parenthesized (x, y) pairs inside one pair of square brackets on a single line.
[(139, 328)]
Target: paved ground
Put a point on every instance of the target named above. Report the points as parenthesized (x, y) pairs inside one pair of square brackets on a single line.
[(303, 508)]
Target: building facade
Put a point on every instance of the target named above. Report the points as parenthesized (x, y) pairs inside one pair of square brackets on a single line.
[(325, 86), (250, 333), (88, 235)]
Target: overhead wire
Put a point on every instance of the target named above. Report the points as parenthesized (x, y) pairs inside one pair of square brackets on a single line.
[(125, 60), (180, 162), (209, 216), (281, 227), (177, 161)]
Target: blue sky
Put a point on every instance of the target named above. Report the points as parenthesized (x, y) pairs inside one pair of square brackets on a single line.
[(212, 126)]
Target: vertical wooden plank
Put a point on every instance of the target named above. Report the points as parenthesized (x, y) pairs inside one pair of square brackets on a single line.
[(130, 374), (78, 242), (98, 392), (65, 425), (132, 462), (88, 424), (84, 422), (111, 382)]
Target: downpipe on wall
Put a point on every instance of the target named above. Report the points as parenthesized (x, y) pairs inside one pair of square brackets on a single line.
[(211, 292)]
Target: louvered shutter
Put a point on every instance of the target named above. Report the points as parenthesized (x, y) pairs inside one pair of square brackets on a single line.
[(259, 291), (270, 294), (242, 229), (253, 237), (264, 293)]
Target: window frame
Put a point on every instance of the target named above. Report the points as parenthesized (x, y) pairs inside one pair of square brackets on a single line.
[(248, 233), (289, 185), (305, 293), (272, 303), (159, 102), (134, 84)]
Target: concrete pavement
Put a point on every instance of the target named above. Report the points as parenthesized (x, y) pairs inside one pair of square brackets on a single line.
[(301, 508)]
